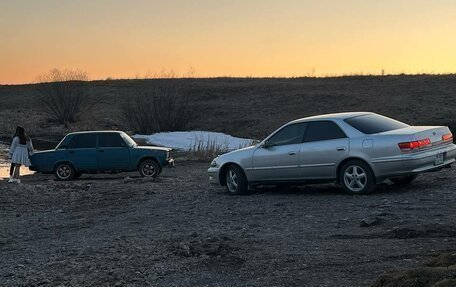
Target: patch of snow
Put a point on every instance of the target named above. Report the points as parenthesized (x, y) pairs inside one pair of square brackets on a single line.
[(187, 140)]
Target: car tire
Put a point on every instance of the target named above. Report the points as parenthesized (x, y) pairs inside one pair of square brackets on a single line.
[(236, 181), (404, 179), (64, 171), (356, 177), (149, 168)]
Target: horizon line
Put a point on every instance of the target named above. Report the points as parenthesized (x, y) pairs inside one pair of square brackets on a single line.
[(184, 77)]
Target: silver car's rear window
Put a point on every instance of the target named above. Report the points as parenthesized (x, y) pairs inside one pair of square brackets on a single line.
[(373, 124)]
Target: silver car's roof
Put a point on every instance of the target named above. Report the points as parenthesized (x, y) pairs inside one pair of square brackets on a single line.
[(339, 116)]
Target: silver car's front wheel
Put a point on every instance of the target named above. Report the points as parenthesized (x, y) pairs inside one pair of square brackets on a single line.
[(357, 177), (236, 182), (231, 181)]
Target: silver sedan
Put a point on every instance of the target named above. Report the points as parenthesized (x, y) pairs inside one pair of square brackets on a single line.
[(357, 150)]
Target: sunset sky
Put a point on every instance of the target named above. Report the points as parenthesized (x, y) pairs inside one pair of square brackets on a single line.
[(136, 38)]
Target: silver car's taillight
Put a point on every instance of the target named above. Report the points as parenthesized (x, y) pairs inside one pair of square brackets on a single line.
[(447, 137), (414, 145)]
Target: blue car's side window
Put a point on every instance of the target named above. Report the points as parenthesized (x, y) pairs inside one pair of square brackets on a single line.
[(110, 140), (83, 141)]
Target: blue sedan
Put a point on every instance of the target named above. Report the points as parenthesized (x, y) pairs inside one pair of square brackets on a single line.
[(100, 151)]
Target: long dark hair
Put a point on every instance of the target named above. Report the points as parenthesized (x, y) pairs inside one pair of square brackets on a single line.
[(16, 133), (21, 134)]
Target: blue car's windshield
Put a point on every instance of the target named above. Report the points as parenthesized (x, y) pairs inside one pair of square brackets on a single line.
[(61, 145), (130, 142)]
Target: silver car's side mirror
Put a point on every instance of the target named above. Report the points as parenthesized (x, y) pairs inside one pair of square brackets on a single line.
[(265, 144)]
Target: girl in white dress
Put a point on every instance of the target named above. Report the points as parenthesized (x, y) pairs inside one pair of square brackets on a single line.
[(20, 150), (12, 164)]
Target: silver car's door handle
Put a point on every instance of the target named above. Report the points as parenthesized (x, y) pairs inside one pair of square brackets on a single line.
[(341, 148), (291, 152)]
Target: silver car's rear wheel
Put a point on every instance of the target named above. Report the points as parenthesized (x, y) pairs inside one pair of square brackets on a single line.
[(236, 182), (357, 177)]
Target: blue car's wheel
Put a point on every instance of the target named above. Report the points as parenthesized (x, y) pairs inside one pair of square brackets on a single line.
[(149, 168), (64, 171)]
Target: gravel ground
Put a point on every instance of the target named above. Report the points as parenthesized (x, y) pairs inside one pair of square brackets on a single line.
[(105, 230)]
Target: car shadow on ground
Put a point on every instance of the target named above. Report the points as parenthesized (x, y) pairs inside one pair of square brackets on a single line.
[(46, 178), (329, 189), (332, 189), (102, 177), (272, 190)]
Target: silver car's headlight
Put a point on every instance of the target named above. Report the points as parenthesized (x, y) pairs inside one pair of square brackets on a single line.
[(213, 163)]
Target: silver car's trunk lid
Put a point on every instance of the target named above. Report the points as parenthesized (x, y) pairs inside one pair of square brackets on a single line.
[(434, 133)]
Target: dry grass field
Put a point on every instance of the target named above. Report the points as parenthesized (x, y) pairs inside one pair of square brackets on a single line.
[(250, 107)]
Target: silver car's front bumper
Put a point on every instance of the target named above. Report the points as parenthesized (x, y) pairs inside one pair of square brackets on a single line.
[(414, 163), (213, 173)]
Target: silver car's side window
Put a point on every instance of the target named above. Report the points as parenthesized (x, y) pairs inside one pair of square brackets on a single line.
[(291, 134), (323, 130)]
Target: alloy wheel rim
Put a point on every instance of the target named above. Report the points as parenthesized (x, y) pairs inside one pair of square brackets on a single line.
[(355, 178), (148, 169), (232, 181), (64, 171)]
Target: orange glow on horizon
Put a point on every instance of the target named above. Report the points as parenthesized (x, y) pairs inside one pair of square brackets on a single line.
[(204, 38)]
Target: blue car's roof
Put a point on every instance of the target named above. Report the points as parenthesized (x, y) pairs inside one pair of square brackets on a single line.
[(97, 132)]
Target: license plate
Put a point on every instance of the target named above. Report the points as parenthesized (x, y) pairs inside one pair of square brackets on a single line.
[(438, 159)]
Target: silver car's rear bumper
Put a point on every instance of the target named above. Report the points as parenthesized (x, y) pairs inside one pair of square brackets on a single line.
[(413, 163)]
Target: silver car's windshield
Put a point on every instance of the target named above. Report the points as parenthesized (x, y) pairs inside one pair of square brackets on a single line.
[(130, 142), (373, 124)]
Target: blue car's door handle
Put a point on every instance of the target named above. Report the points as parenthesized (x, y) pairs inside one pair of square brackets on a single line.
[(101, 150), (70, 151)]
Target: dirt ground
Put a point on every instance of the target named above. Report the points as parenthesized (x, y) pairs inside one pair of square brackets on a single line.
[(106, 230)]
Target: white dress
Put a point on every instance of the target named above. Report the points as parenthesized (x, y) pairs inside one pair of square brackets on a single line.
[(20, 152)]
